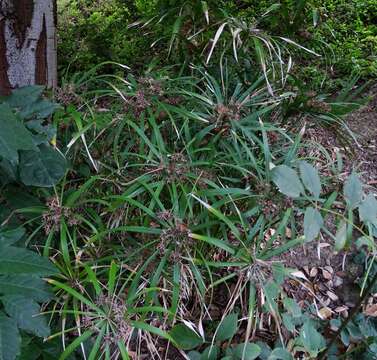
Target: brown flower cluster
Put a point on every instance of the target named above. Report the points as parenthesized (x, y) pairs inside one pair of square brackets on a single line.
[(318, 105), (147, 89), (66, 95), (55, 214), (116, 309), (177, 235)]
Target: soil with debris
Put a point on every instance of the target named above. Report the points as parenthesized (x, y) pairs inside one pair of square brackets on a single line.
[(326, 278), (363, 123)]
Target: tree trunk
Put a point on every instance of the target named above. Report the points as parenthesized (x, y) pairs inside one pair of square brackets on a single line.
[(27, 43)]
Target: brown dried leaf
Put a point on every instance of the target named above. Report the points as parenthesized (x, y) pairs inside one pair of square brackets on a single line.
[(332, 296), (299, 274), (340, 309), (313, 272), (371, 310), (327, 275), (325, 313)]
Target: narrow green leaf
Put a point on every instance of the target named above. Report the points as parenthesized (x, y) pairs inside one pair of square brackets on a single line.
[(341, 236), (112, 277), (75, 344), (216, 242)]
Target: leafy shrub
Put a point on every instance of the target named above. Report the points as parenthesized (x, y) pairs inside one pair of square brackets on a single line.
[(26, 158), (343, 32), (177, 183), (91, 32), (22, 289), (25, 152)]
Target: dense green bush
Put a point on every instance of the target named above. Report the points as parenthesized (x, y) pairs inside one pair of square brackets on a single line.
[(343, 32), (26, 159), (350, 29), (176, 183), (91, 32), (188, 187)]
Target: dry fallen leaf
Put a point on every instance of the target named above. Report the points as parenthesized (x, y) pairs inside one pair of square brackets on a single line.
[(313, 272), (340, 309), (327, 275), (299, 274), (325, 313), (323, 245), (371, 310), (332, 296)]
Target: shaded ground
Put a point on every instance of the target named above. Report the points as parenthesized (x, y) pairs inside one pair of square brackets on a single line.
[(363, 123), (325, 278)]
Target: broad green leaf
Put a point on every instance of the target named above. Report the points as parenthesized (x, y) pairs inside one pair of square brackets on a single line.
[(311, 339), (24, 95), (15, 260), (13, 135), (341, 236), (194, 355), (25, 312), (313, 223), (368, 210), (185, 338), (287, 180), (271, 290), (41, 109), (25, 285), (247, 351), (9, 237), (227, 328), (8, 172), (288, 322), (365, 241), (310, 178), (280, 354), (10, 339), (353, 191), (44, 168), (210, 353), (292, 307)]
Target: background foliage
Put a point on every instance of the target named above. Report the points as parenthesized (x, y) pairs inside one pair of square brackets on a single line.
[(165, 209), (343, 32)]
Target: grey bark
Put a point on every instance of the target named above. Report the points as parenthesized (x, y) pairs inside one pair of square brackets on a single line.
[(27, 43)]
